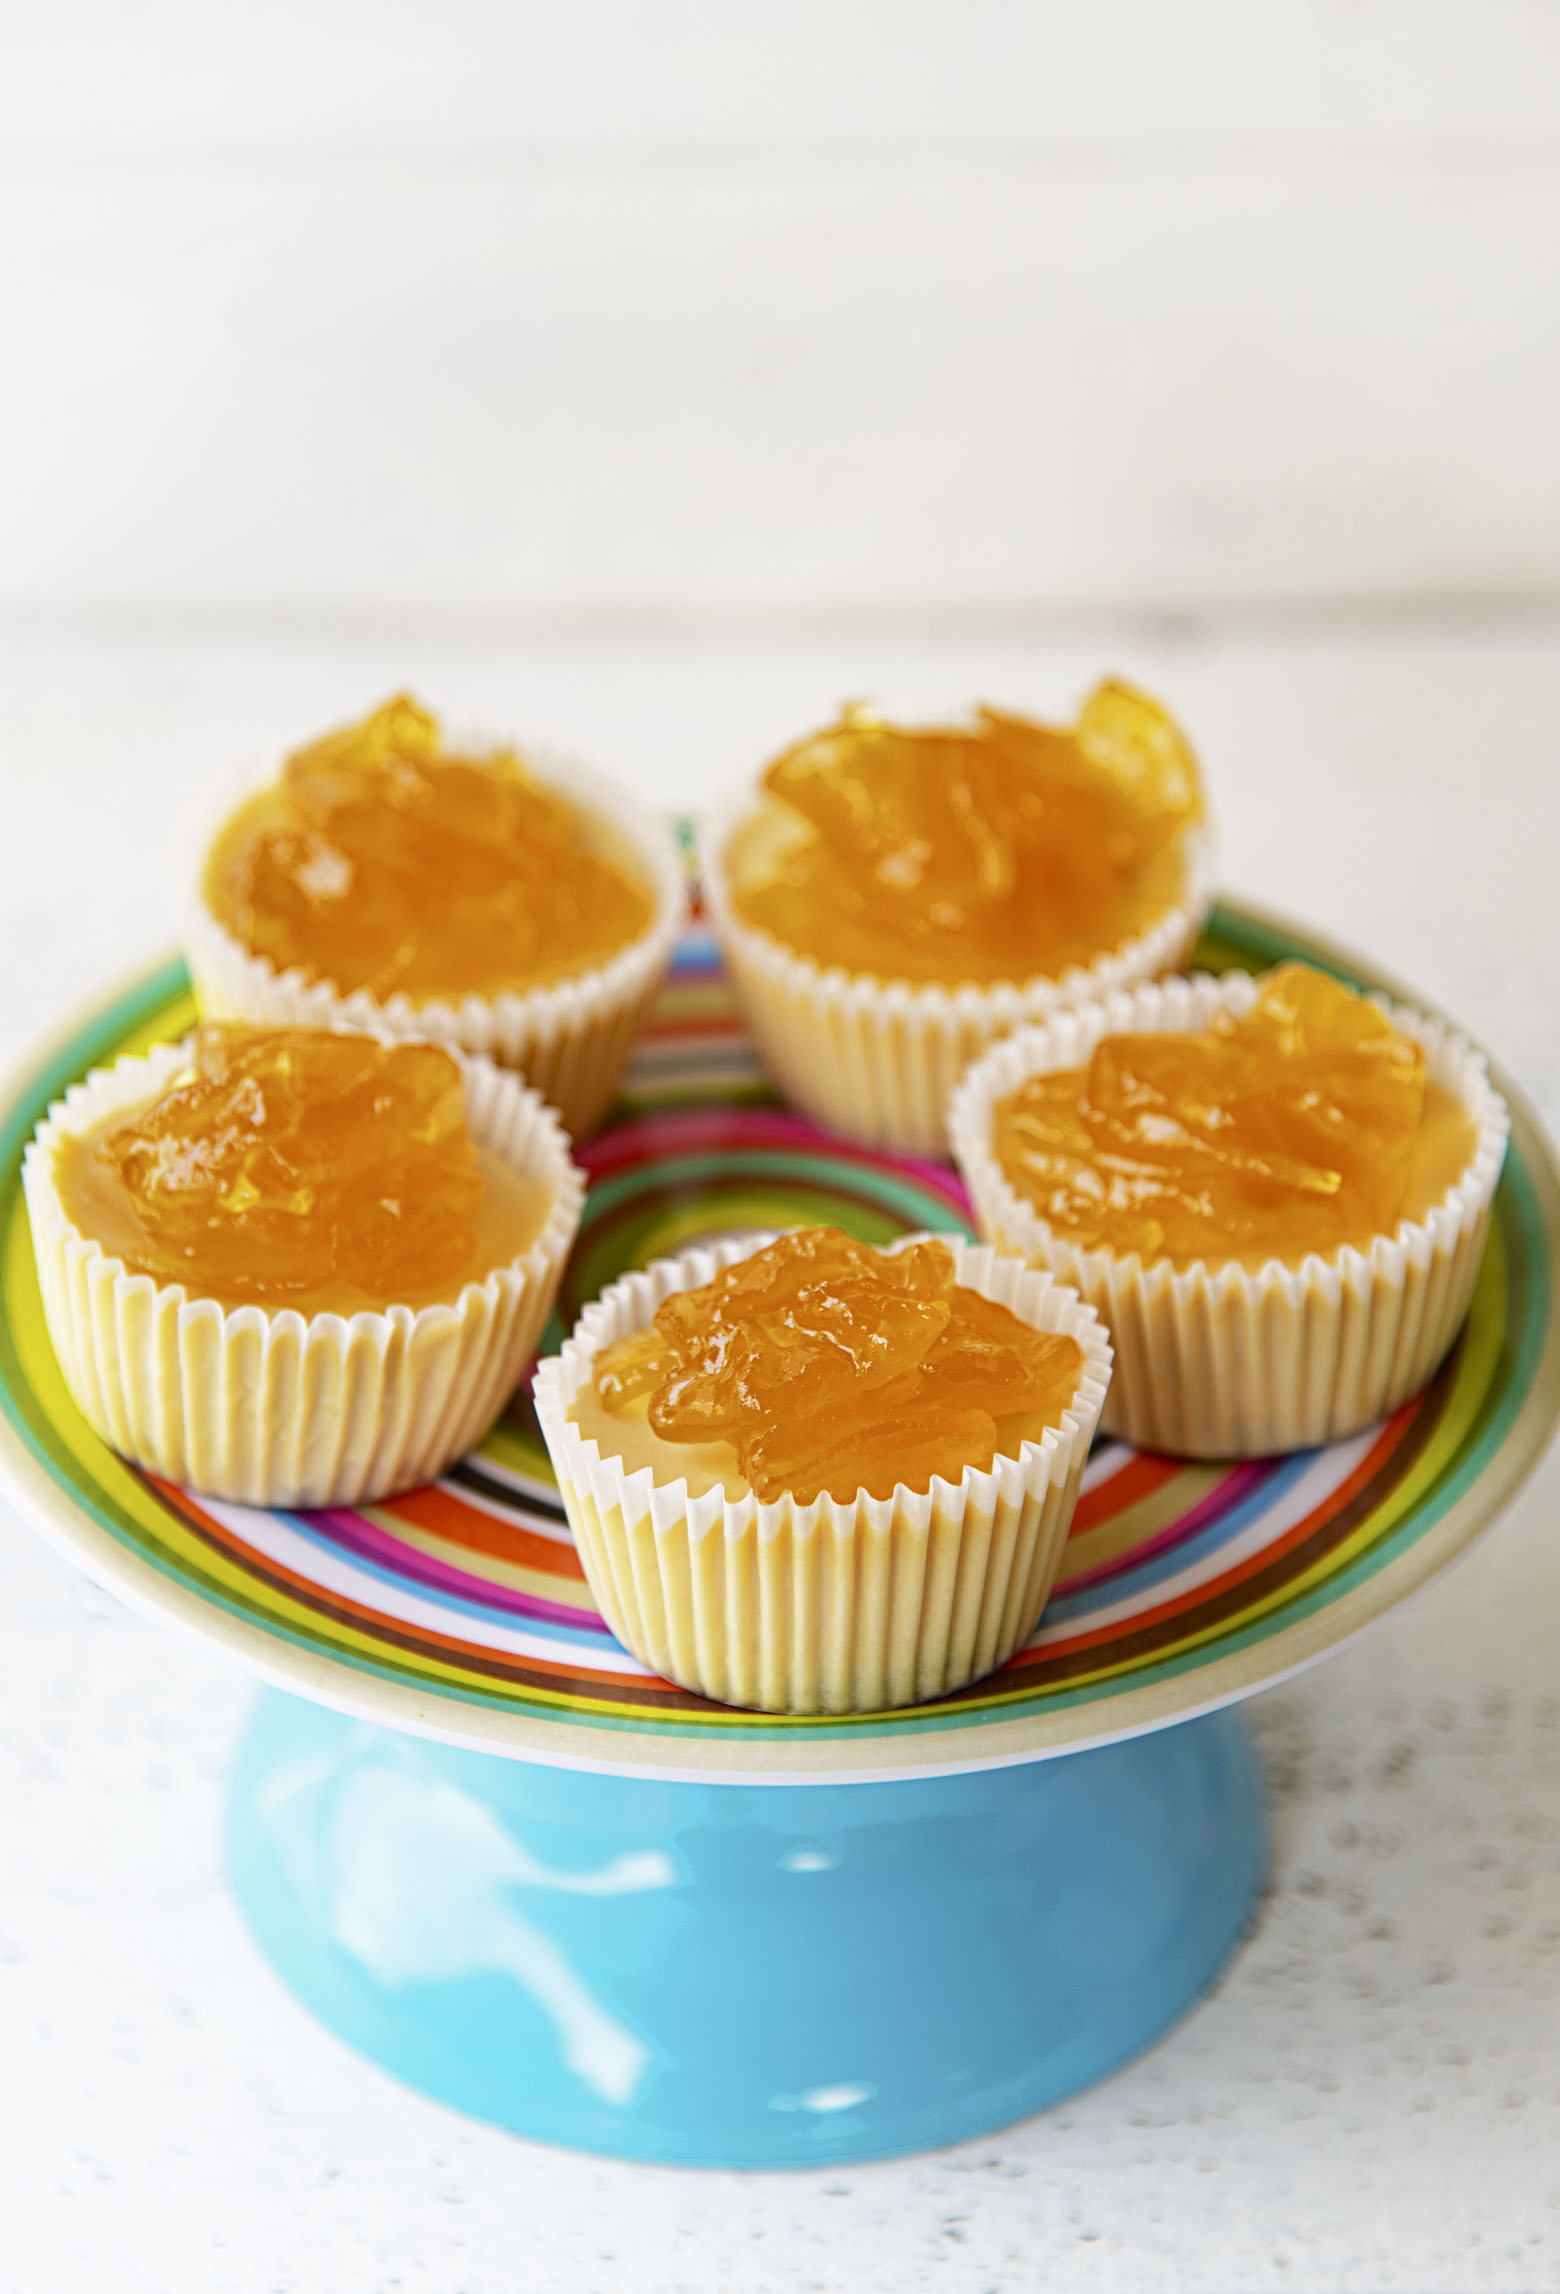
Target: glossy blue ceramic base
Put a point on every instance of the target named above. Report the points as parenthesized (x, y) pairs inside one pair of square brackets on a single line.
[(742, 1975)]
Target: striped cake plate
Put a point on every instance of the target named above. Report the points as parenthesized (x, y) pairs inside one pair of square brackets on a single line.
[(459, 1611)]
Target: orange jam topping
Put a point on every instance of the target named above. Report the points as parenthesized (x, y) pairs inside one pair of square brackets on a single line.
[(831, 1366), (1304, 1126), (290, 1167), (378, 861), (992, 852)]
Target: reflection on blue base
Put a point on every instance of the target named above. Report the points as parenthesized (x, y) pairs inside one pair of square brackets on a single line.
[(742, 1975)]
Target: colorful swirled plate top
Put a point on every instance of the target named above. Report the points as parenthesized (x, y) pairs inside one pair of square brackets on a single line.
[(460, 1610)]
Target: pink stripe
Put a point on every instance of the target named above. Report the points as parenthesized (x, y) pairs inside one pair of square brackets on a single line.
[(358, 1535), (1229, 1493), (693, 1130)]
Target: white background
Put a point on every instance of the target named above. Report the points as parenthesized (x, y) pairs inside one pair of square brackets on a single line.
[(647, 378)]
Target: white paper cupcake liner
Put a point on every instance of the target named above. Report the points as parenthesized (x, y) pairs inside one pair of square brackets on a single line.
[(823, 1607), (570, 1039), (276, 1409), (1216, 1361), (876, 1059)]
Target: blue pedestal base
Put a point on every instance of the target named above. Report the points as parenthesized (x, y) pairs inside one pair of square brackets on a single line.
[(742, 1975)]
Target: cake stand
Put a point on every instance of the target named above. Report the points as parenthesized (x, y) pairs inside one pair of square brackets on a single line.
[(490, 1850)]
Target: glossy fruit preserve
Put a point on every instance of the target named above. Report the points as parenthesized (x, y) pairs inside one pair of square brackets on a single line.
[(295, 1168), (381, 861), (1306, 1125), (996, 851), (826, 1365)]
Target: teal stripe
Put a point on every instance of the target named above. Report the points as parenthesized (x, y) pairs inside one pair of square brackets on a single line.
[(1258, 945)]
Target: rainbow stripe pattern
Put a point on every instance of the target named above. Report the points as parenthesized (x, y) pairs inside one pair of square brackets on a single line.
[(460, 1610)]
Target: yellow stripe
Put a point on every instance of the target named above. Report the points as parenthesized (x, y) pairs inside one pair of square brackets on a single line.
[(1090, 1549), (166, 1025), (518, 1453)]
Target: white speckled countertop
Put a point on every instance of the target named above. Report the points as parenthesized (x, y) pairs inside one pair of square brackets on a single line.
[(1370, 2102)]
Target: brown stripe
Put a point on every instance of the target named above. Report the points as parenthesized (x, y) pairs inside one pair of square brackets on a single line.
[(1131, 1650)]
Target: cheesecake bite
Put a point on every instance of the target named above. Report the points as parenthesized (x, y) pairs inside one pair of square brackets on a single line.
[(893, 898), (1275, 1192), (828, 1366), (292, 1167), (1302, 1125), (987, 852), (293, 1267), (808, 1476), (388, 881), (382, 860)]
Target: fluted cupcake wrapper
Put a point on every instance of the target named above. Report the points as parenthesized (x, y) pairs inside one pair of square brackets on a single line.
[(825, 1606), (1218, 1361), (276, 1409), (876, 1059), (570, 1039)]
